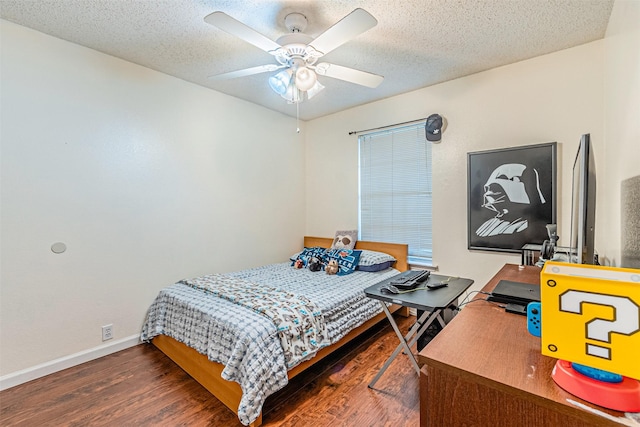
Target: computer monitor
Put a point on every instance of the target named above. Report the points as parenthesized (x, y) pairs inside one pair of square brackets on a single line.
[(583, 204)]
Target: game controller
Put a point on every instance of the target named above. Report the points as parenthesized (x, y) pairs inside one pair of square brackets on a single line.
[(534, 323)]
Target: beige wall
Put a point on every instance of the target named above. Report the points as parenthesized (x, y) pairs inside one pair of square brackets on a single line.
[(556, 97), (622, 121), (146, 179)]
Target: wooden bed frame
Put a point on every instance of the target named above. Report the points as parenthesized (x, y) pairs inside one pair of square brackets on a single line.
[(208, 373)]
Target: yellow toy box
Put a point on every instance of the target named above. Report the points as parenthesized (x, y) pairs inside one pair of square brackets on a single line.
[(591, 315)]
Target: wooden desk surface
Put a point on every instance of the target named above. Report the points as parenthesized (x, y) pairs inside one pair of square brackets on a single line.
[(485, 345)]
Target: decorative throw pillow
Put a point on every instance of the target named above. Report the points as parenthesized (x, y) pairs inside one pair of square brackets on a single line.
[(347, 259), (373, 261), (307, 253), (345, 239)]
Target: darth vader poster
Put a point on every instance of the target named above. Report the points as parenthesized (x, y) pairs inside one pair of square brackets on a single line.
[(512, 196)]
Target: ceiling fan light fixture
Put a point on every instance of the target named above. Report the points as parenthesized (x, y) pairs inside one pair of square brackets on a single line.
[(305, 78), (315, 89), (293, 95), (280, 81)]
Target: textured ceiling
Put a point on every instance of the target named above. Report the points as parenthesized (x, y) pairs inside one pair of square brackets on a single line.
[(417, 43)]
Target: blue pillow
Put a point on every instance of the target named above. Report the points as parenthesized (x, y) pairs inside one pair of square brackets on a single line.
[(308, 253), (372, 261), (347, 259)]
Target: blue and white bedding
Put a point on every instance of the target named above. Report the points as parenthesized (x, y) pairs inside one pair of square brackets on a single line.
[(246, 342), (300, 323)]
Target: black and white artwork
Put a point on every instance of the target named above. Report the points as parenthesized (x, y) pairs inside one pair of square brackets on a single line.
[(511, 197)]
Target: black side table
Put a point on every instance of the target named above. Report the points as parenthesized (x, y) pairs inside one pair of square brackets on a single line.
[(431, 301)]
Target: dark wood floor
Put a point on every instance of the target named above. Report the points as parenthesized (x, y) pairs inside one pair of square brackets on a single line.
[(140, 386)]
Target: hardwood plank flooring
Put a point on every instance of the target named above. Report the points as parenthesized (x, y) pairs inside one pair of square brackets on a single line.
[(140, 386)]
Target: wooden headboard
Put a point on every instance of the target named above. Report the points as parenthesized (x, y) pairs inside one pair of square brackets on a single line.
[(399, 251)]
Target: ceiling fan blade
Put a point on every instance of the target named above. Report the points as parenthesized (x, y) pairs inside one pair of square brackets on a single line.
[(349, 74), (246, 72), (349, 27), (240, 30)]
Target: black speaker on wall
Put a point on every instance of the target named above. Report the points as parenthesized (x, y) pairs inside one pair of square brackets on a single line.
[(630, 222)]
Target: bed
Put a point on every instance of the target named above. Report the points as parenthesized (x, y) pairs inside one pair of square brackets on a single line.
[(239, 355)]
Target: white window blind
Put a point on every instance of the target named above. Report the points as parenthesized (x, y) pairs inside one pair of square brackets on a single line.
[(395, 189)]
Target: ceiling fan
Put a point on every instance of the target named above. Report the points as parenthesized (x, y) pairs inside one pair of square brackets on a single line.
[(297, 54)]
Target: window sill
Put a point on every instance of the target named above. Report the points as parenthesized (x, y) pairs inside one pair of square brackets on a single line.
[(422, 266)]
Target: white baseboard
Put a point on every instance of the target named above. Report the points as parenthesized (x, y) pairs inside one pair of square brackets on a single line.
[(38, 371)]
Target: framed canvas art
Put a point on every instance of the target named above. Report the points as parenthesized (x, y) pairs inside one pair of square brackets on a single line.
[(511, 196)]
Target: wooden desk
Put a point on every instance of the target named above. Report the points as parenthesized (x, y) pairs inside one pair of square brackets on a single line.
[(485, 369)]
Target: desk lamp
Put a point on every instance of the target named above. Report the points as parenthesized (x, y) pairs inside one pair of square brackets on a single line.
[(598, 345)]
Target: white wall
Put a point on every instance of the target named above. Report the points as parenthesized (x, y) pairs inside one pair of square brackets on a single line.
[(146, 178), (622, 120), (556, 97)]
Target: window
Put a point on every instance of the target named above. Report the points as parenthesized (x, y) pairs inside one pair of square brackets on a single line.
[(395, 189)]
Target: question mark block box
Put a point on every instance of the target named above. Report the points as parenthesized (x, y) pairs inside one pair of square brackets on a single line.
[(591, 316)]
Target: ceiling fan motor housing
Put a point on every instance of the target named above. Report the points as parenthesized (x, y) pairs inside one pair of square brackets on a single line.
[(295, 45)]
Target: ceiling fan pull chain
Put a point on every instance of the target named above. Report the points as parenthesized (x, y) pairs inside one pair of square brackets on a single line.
[(297, 117)]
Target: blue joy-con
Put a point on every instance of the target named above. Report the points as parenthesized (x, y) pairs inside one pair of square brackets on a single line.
[(597, 374), (533, 319)]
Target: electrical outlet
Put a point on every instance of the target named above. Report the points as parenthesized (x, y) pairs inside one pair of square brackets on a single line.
[(107, 332)]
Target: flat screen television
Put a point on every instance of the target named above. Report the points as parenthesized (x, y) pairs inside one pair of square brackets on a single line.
[(583, 204)]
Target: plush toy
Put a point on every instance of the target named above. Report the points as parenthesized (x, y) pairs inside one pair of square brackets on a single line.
[(332, 267), (298, 264), (341, 242), (315, 264)]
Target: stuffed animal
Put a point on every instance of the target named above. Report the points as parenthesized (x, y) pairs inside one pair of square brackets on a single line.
[(315, 264), (298, 264), (332, 267), (341, 242)]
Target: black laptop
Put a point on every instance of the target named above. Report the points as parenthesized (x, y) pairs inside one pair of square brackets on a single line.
[(519, 293)]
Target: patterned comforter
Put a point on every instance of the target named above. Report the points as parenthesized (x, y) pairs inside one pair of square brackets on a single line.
[(246, 342), (300, 323)]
